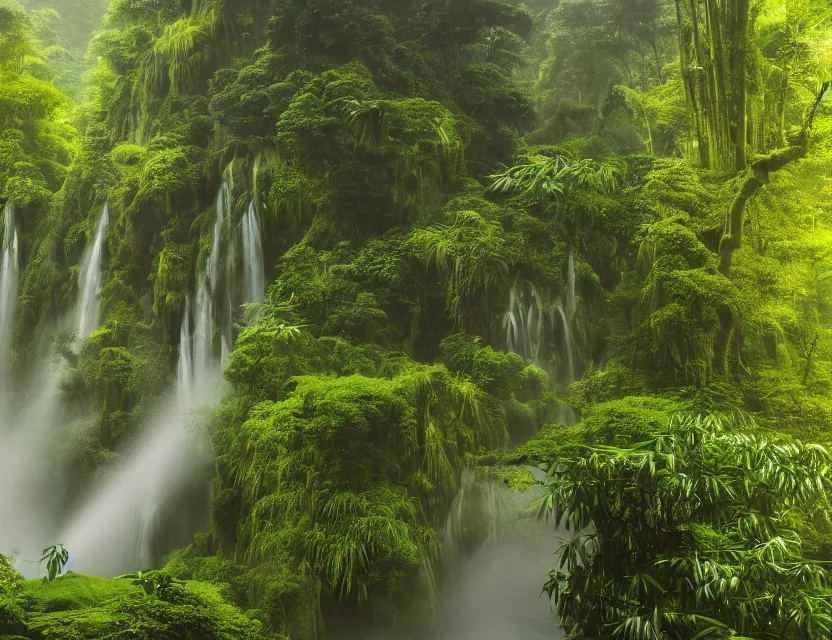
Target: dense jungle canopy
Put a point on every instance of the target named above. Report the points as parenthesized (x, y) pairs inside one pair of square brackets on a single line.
[(293, 292)]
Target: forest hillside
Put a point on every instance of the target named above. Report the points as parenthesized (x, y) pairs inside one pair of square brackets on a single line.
[(360, 318)]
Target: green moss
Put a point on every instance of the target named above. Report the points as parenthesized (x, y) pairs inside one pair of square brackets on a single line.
[(377, 369), (72, 592), (552, 442), (77, 607), (627, 421), (516, 477)]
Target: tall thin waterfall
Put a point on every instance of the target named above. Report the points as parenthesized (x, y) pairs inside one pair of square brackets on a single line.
[(570, 283), (203, 337), (222, 206), (567, 340), (253, 255), (89, 279), (8, 293), (185, 366), (567, 316), (206, 368), (29, 498)]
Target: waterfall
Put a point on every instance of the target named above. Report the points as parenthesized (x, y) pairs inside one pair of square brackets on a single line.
[(89, 279), (253, 255), (567, 341), (118, 529), (222, 206), (113, 531), (203, 336), (570, 283), (210, 306), (185, 366), (524, 322), (8, 294), (497, 554), (527, 319), (566, 414), (29, 498)]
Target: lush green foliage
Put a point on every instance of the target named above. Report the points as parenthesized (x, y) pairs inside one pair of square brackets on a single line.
[(705, 529), (56, 558), (73, 607), (597, 176)]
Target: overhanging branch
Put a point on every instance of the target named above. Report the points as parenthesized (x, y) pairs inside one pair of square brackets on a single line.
[(757, 176)]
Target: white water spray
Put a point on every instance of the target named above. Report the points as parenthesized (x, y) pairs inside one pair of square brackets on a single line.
[(570, 283), (493, 590), (29, 499), (492, 583), (185, 366), (203, 336), (90, 277), (116, 530), (253, 255), (524, 322), (567, 341)]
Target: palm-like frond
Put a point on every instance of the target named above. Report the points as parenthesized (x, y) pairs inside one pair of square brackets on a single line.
[(546, 180)]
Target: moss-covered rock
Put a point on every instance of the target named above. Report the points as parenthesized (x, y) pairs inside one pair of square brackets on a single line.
[(76, 607)]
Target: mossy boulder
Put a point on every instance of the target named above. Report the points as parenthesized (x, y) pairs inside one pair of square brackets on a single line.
[(76, 607)]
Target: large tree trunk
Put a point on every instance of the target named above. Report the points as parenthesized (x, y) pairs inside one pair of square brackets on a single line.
[(755, 177)]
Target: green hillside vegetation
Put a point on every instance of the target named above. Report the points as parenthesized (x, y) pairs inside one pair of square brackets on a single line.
[(416, 166)]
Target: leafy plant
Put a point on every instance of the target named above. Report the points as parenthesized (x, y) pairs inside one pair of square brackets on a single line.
[(543, 179), (158, 585), (704, 530), (56, 558)]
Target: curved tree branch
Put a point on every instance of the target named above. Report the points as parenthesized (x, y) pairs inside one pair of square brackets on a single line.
[(756, 177)]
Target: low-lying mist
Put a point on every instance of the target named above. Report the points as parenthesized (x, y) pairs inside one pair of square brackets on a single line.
[(492, 591)]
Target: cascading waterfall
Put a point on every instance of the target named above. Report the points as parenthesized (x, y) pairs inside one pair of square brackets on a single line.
[(524, 322), (9, 276), (203, 336), (495, 592), (253, 255), (116, 530), (528, 319), (30, 499), (567, 316), (222, 206), (90, 277), (206, 367), (570, 282), (185, 366), (567, 341)]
